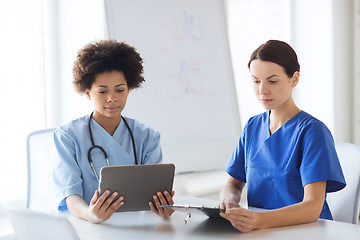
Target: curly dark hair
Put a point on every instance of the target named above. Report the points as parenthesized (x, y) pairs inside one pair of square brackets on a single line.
[(105, 56)]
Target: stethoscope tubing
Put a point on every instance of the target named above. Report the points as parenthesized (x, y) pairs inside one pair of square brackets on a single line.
[(94, 146)]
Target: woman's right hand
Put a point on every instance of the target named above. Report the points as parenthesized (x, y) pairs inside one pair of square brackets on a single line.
[(228, 205), (101, 208)]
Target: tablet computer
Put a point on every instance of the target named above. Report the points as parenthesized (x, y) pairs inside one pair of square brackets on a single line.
[(137, 183), (209, 211)]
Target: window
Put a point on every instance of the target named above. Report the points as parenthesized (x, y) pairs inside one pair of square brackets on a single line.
[(38, 45), (307, 26), (22, 96), (251, 23)]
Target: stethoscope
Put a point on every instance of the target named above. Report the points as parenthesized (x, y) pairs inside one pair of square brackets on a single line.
[(101, 149)]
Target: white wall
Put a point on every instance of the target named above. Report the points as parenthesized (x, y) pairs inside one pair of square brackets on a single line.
[(312, 40), (31, 63), (307, 26), (251, 23), (356, 71), (22, 99), (324, 39), (70, 25), (342, 69)]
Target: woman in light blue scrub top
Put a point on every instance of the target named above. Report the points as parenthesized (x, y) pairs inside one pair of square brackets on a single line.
[(286, 157), (104, 71)]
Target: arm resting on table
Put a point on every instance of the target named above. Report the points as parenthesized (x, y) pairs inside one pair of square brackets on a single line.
[(308, 210)]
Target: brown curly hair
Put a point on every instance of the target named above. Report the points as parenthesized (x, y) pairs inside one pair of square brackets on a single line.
[(105, 56)]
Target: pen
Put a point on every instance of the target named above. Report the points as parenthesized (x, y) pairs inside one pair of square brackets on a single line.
[(188, 215)]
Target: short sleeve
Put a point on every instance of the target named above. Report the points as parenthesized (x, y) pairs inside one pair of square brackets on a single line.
[(66, 173), (152, 150), (319, 158), (236, 164)]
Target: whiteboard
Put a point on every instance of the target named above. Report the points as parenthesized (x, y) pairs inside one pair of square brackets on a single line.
[(189, 95)]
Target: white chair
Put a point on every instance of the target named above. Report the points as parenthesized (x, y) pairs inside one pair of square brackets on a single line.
[(345, 204), (41, 151)]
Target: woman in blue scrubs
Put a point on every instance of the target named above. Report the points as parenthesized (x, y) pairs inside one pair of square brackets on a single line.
[(286, 157), (105, 72)]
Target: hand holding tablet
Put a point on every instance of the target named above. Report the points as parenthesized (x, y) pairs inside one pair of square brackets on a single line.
[(137, 184)]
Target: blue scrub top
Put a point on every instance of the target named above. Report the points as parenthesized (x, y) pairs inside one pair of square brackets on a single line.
[(73, 174), (277, 167)]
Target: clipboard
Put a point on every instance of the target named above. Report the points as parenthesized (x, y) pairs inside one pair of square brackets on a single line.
[(208, 211)]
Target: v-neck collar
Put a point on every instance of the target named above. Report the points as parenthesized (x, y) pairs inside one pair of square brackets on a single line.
[(267, 120), (118, 129)]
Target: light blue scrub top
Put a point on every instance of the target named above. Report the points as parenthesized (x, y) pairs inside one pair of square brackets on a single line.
[(73, 174), (277, 167)]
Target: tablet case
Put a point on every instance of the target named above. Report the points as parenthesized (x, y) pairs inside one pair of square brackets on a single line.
[(137, 183)]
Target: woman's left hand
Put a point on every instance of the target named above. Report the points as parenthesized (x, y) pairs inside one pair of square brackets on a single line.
[(243, 219), (161, 199)]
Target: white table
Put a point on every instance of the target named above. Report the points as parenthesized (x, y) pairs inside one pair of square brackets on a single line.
[(146, 225)]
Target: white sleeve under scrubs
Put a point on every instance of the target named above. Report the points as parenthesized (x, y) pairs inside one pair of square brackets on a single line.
[(73, 174), (277, 167)]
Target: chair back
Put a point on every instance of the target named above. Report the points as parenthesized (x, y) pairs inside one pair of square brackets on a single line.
[(41, 152), (345, 204)]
